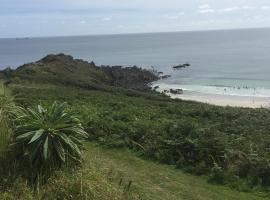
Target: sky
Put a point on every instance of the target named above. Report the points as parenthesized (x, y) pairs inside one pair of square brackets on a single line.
[(28, 18)]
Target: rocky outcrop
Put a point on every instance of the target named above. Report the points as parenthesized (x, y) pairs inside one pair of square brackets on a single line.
[(165, 76), (181, 66), (62, 58), (176, 91), (129, 77), (65, 70)]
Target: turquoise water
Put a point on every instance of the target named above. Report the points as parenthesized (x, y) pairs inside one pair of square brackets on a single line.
[(232, 62)]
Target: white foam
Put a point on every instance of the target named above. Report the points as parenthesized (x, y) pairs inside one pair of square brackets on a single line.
[(217, 90)]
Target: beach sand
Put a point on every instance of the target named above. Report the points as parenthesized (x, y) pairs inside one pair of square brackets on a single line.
[(221, 100)]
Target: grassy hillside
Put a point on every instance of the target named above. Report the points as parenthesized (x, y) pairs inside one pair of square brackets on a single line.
[(107, 172), (230, 145), (88, 182), (154, 181), (221, 145), (65, 70)]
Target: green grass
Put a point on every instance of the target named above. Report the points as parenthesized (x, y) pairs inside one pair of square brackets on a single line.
[(4, 129), (192, 136), (155, 181), (87, 183), (222, 145)]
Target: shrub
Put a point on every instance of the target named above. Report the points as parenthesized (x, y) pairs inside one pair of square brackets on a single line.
[(47, 138), (217, 175)]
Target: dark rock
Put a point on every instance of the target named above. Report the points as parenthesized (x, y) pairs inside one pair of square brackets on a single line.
[(129, 77), (165, 91), (176, 91), (181, 66), (165, 76), (156, 87), (92, 64), (57, 58), (8, 69)]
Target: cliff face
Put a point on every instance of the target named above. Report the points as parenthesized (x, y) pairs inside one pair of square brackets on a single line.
[(65, 70)]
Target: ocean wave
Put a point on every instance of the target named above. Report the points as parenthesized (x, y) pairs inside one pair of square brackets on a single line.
[(218, 90)]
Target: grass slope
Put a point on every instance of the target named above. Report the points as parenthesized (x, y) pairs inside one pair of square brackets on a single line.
[(155, 181), (65, 70), (229, 146), (190, 135)]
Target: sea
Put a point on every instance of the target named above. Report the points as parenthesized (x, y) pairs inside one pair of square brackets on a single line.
[(225, 62)]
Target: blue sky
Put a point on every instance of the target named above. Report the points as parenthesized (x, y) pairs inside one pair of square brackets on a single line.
[(21, 18)]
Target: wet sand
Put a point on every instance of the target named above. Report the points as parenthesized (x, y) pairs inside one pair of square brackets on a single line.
[(221, 100)]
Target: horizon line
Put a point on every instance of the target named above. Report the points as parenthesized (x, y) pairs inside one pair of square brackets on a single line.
[(137, 33)]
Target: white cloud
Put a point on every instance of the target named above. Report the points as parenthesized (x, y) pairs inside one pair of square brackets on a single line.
[(230, 9), (204, 7), (83, 22), (236, 8), (106, 19), (3, 25), (247, 7), (204, 11), (173, 17), (181, 13), (257, 17), (176, 16), (44, 21), (69, 17)]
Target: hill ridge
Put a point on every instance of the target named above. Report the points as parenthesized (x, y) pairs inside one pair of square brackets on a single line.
[(65, 70)]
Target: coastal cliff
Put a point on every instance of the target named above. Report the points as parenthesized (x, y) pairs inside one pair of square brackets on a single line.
[(65, 70)]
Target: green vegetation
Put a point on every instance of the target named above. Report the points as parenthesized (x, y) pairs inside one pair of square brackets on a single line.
[(42, 141), (221, 145), (104, 169), (155, 181), (64, 70), (5, 132), (82, 183), (226, 144), (47, 138)]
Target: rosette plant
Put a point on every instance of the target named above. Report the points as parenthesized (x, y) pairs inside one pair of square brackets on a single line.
[(47, 138)]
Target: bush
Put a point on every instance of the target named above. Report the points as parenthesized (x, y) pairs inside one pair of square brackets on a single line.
[(47, 138), (217, 175)]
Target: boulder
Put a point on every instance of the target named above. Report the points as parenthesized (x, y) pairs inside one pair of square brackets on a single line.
[(165, 76), (181, 66), (156, 87), (176, 91)]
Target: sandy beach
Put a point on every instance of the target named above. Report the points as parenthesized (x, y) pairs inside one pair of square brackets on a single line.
[(220, 100)]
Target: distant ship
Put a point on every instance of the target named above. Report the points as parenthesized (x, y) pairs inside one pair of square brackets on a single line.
[(24, 38)]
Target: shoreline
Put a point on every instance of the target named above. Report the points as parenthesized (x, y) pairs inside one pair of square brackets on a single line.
[(218, 99)]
